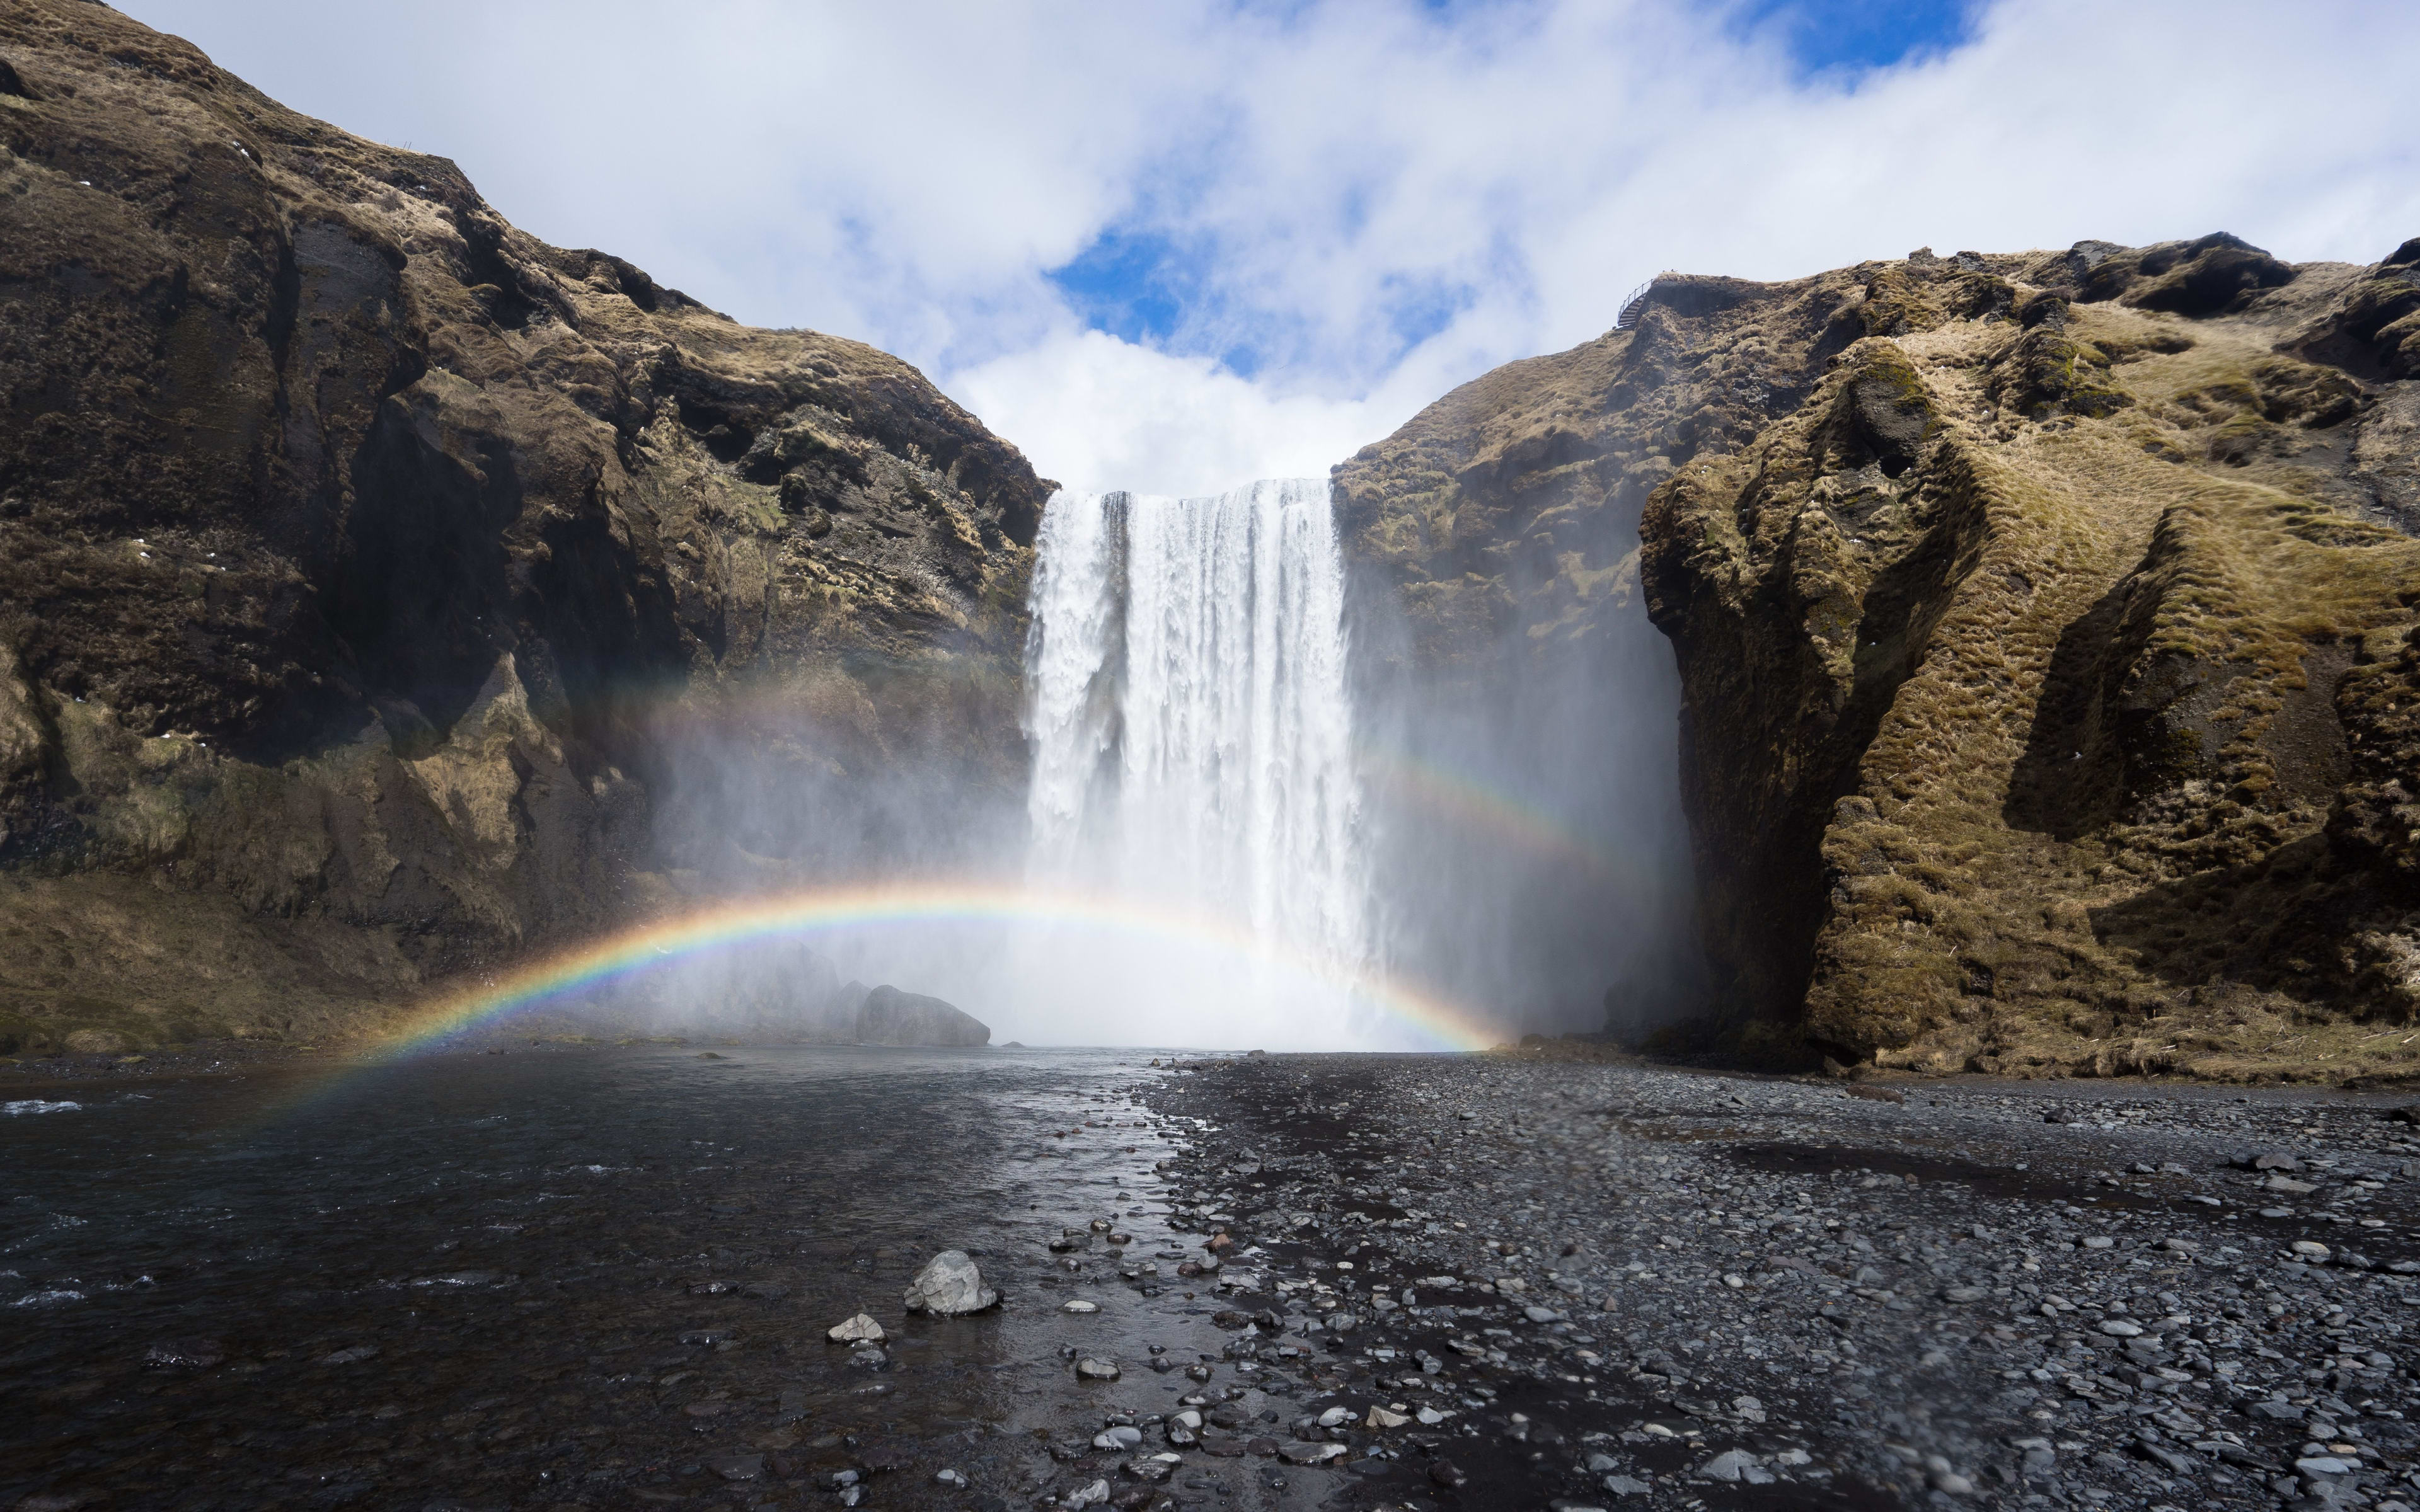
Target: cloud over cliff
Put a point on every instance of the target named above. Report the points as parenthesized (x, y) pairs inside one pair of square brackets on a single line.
[(1178, 245)]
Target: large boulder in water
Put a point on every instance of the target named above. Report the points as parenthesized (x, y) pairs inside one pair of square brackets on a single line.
[(889, 1016)]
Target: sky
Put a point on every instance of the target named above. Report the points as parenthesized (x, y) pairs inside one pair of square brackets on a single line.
[(1180, 245)]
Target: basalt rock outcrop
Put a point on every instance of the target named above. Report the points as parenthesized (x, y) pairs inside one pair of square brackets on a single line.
[(368, 568), (2044, 627)]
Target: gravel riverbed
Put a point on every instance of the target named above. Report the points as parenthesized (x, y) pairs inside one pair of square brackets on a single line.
[(589, 1277), (1513, 1282)]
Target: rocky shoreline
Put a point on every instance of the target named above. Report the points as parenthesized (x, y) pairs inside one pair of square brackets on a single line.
[(1438, 1283), (1512, 1282)]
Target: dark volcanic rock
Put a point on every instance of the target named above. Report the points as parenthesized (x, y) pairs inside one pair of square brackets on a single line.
[(368, 568), (889, 1016)]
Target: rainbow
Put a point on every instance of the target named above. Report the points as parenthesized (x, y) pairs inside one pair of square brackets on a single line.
[(1477, 807), (660, 943)]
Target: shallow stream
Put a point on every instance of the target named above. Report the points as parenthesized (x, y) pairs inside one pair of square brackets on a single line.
[(581, 1277)]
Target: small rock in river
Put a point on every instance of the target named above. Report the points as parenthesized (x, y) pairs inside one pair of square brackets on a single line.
[(1089, 1368), (2311, 1249), (1626, 1486), (1381, 1418), (949, 1286), (1310, 1454), (737, 1466), (191, 1354), (2118, 1328), (1079, 1305), (860, 1329)]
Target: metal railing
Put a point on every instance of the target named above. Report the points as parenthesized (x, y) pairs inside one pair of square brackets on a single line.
[(1633, 304)]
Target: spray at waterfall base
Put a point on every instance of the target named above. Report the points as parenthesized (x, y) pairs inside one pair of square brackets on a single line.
[(1194, 866)]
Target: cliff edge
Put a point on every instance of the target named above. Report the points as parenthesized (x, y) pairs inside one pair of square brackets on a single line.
[(2043, 624), (375, 578)]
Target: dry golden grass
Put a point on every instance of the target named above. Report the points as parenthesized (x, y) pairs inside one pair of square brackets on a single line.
[(2174, 566)]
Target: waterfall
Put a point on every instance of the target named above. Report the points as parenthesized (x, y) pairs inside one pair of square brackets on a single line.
[(1187, 708)]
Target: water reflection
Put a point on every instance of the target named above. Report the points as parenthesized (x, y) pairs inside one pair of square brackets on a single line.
[(597, 1276)]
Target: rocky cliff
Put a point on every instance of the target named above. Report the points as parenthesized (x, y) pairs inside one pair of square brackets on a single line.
[(2043, 624), (375, 578)]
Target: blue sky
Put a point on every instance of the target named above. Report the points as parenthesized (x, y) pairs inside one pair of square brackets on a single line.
[(1178, 245), (1140, 284), (1858, 35)]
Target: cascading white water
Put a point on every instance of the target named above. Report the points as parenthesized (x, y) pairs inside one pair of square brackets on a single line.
[(1192, 735)]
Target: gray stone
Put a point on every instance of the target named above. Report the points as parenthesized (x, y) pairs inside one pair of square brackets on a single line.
[(737, 1466), (949, 1286), (1731, 1465), (860, 1329)]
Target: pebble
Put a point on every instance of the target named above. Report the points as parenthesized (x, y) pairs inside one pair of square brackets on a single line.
[(856, 1329), (1078, 1305), (1092, 1369), (949, 1286), (1909, 1347), (737, 1466), (1736, 1465)]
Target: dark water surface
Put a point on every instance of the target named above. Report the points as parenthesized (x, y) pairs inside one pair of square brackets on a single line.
[(578, 1277)]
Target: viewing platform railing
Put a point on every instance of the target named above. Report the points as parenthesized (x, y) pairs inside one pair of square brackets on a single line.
[(1633, 304)]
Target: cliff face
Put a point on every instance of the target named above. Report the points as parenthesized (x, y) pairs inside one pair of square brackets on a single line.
[(2036, 662), (2042, 626), (369, 569)]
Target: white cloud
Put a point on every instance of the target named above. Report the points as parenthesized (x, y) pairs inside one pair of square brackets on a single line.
[(1099, 413), (1381, 199)]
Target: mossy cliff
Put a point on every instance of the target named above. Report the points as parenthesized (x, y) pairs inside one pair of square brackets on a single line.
[(2044, 629), (368, 566)]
